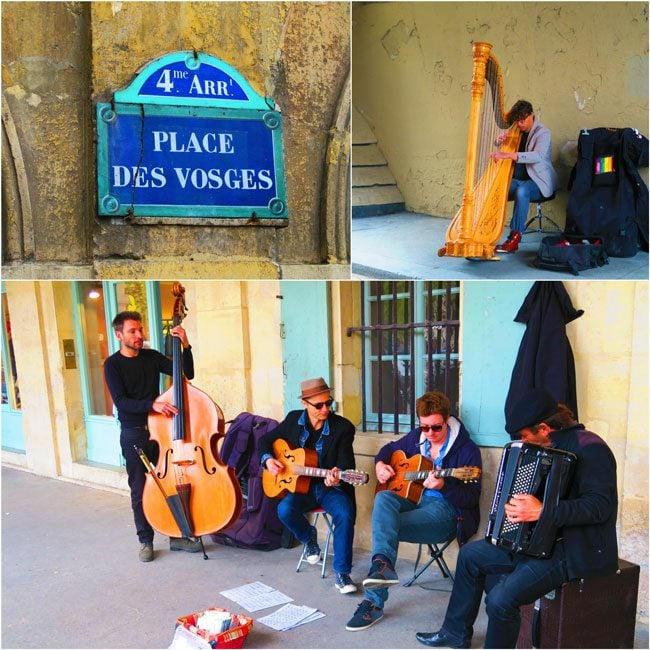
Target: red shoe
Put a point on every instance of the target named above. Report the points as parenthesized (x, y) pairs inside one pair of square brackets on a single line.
[(511, 244)]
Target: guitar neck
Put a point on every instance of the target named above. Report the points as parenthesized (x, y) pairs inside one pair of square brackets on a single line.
[(300, 470), (422, 475)]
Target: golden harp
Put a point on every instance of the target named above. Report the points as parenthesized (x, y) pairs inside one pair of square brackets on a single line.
[(477, 226)]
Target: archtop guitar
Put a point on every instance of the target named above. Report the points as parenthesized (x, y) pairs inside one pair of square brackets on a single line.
[(301, 465), (411, 472)]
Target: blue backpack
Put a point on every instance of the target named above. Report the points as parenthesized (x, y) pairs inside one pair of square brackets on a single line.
[(258, 526)]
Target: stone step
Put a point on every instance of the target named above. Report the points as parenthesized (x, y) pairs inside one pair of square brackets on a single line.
[(376, 195), (361, 132), (368, 154), (370, 176)]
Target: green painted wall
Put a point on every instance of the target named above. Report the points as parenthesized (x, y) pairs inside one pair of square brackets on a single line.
[(490, 342)]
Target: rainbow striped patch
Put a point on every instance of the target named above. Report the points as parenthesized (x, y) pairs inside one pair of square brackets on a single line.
[(604, 165)]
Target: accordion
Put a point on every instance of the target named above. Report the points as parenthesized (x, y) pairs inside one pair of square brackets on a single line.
[(529, 469)]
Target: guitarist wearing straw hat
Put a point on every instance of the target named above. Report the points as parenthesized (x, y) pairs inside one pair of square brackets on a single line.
[(435, 511), (330, 436)]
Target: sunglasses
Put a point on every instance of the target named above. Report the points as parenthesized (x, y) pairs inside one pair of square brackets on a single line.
[(434, 427), (319, 405)]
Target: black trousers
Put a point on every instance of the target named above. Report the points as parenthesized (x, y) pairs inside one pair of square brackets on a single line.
[(136, 473)]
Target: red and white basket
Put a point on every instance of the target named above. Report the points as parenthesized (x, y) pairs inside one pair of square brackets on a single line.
[(232, 638)]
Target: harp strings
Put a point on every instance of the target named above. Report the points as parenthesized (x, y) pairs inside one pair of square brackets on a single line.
[(489, 132)]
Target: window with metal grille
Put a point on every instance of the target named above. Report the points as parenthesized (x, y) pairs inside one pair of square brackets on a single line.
[(410, 341)]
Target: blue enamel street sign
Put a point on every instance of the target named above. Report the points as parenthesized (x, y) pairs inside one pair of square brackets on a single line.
[(190, 138)]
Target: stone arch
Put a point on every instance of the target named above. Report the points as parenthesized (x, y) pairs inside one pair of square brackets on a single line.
[(17, 219), (336, 197)]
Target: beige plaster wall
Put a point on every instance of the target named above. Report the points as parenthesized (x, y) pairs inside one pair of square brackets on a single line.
[(234, 331), (41, 385), (611, 354), (581, 65)]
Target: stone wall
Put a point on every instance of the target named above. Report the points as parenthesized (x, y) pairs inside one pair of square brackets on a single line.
[(59, 59)]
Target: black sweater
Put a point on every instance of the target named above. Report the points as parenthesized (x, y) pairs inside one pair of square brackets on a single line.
[(586, 517), (133, 382)]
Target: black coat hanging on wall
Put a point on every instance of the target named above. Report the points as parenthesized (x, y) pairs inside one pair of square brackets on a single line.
[(545, 358)]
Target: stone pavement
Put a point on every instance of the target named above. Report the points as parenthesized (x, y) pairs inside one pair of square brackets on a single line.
[(405, 245), (71, 579)]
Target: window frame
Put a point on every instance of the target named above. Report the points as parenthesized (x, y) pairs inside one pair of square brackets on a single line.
[(421, 293)]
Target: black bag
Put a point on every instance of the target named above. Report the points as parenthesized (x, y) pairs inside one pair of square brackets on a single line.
[(608, 198), (570, 254), (258, 526)]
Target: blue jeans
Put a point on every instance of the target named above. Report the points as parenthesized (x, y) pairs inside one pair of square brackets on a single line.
[(395, 520), (522, 581), (337, 504), (522, 193)]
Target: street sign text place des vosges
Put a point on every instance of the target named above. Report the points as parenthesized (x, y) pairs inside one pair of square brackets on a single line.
[(189, 138)]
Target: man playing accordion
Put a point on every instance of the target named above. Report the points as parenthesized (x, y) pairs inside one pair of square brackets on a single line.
[(586, 543)]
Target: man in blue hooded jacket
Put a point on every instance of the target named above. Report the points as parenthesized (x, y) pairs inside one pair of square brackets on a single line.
[(447, 505)]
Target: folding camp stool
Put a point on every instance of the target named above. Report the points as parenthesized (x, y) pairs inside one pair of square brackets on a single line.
[(318, 512), (436, 555)]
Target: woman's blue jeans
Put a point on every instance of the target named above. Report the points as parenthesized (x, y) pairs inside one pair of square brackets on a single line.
[(522, 193)]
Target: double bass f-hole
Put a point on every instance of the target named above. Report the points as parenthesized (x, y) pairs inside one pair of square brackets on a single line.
[(205, 467), (165, 467)]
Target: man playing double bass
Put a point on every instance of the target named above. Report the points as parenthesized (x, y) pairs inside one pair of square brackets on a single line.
[(132, 376)]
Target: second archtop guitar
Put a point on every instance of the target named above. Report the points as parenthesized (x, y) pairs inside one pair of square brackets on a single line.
[(300, 465), (410, 472)]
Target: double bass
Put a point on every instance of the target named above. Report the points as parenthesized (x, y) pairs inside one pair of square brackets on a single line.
[(189, 472)]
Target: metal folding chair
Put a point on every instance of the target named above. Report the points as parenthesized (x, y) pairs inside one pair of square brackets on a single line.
[(318, 512), (436, 555)]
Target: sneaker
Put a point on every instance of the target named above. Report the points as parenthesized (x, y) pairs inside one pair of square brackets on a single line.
[(381, 574), (365, 616), (312, 550), (184, 544), (146, 552), (344, 583)]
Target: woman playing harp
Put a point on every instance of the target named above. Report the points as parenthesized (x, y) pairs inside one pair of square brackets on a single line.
[(477, 226), (534, 176)]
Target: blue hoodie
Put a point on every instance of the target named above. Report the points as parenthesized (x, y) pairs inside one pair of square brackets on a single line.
[(461, 452)]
